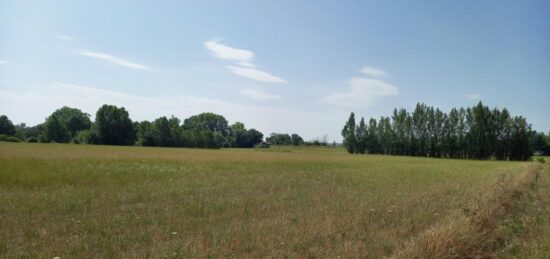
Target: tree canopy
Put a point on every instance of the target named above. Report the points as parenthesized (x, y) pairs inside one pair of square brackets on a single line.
[(6, 126), (477, 132), (114, 126)]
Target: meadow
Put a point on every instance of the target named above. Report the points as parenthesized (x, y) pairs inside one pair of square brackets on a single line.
[(87, 201)]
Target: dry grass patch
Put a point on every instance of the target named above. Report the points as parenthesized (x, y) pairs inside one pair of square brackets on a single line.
[(98, 201)]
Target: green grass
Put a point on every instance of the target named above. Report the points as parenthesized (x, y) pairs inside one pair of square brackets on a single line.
[(100, 201)]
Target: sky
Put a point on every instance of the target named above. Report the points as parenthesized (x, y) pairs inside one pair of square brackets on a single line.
[(277, 66)]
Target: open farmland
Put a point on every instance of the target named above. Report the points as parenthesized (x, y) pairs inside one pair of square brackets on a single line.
[(104, 201)]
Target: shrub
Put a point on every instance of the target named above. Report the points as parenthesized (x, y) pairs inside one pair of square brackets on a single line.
[(32, 140), (541, 160), (3, 137), (12, 139), (263, 145)]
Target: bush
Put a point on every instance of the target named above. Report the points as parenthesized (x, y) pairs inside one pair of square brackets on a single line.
[(262, 145), (541, 160), (12, 139), (3, 137), (32, 140)]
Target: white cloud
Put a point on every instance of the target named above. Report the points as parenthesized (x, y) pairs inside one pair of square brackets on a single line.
[(114, 60), (242, 59), (66, 38), (363, 92), (474, 97), (245, 64), (222, 51), (4, 63), (32, 104), (373, 72), (260, 95), (255, 74)]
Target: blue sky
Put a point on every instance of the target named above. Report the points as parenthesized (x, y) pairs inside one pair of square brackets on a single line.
[(278, 66)]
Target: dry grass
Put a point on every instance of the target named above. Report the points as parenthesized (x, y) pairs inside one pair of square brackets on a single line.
[(97, 201), (485, 228)]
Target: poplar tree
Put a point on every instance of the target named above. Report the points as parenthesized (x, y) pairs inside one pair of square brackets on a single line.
[(348, 133)]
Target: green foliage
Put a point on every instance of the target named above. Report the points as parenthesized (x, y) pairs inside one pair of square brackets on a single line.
[(477, 132), (74, 119), (88, 136), (360, 137), (262, 145), (55, 130), (207, 122), (539, 142), (296, 139), (279, 139), (348, 133), (24, 132), (356, 137), (61, 126), (32, 140), (114, 126), (7, 138), (6, 126)]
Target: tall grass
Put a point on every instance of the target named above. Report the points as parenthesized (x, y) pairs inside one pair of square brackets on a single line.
[(101, 201)]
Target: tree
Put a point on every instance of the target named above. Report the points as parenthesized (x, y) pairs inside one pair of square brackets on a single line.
[(547, 147), (361, 137), (176, 131), (6, 126), (279, 139), (161, 132), (477, 132), (348, 132), (74, 119), (520, 142), (371, 139), (480, 138), (538, 142), (114, 126), (451, 133), (254, 137), (207, 121), (296, 139), (55, 130), (239, 136), (419, 121)]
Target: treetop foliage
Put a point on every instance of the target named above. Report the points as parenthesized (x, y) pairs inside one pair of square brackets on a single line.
[(477, 132), (113, 126), (6, 126)]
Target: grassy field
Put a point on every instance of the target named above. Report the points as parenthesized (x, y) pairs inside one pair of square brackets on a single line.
[(99, 201)]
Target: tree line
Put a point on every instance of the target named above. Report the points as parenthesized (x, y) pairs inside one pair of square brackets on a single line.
[(113, 126), (476, 132), (294, 139)]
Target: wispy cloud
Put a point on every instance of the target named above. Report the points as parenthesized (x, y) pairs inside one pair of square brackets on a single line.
[(114, 60), (373, 72), (4, 63), (242, 60), (260, 95), (66, 38), (222, 51), (363, 92), (255, 74), (474, 97)]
